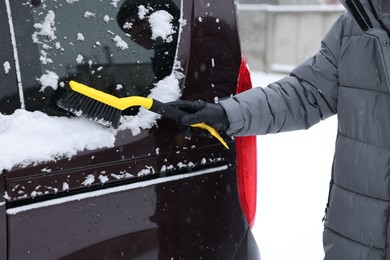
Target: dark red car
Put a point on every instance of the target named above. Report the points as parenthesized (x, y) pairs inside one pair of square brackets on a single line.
[(153, 193)]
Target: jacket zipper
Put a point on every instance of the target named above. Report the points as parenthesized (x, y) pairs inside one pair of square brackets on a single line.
[(328, 202), (331, 183)]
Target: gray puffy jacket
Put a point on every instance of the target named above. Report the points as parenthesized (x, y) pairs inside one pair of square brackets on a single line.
[(349, 76)]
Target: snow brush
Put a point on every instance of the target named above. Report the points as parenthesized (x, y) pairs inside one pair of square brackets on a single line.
[(106, 109)]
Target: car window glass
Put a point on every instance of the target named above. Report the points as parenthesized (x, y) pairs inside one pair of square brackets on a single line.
[(57, 41), (103, 45)]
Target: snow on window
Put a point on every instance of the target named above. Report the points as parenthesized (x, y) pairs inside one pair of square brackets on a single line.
[(80, 37), (142, 12), (121, 44), (127, 25), (106, 18), (50, 79), (161, 25), (88, 14), (53, 137), (57, 45), (44, 57), (46, 28), (165, 90), (7, 67), (44, 34), (79, 58), (115, 2)]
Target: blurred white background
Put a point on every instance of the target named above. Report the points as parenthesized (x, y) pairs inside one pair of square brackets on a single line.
[(293, 177), (294, 168)]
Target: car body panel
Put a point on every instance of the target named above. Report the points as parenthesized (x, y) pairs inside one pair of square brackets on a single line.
[(174, 210), (3, 224)]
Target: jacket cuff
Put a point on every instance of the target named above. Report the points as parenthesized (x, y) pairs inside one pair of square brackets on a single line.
[(235, 117)]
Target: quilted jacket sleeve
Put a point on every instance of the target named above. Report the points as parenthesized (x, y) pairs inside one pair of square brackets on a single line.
[(298, 101)]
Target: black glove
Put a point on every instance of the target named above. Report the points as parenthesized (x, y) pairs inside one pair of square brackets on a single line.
[(201, 112)]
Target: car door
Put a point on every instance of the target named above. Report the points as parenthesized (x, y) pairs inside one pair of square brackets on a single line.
[(151, 174)]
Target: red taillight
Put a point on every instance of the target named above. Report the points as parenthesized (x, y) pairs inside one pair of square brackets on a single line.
[(244, 77), (246, 157)]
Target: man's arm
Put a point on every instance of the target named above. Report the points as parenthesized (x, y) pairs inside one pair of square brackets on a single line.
[(298, 101)]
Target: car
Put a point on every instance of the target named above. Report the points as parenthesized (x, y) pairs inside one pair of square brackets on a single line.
[(76, 189)]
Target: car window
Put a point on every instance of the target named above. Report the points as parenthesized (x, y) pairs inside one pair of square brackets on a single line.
[(47, 43), (109, 45)]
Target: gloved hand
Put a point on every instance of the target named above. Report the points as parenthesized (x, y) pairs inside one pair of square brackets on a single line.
[(201, 112)]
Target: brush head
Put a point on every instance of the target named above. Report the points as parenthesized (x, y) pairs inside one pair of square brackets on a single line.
[(84, 106)]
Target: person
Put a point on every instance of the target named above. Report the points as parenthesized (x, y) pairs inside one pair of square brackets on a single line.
[(348, 76)]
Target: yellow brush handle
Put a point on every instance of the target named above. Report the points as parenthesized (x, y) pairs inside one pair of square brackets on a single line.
[(110, 100), (212, 131), (126, 102)]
